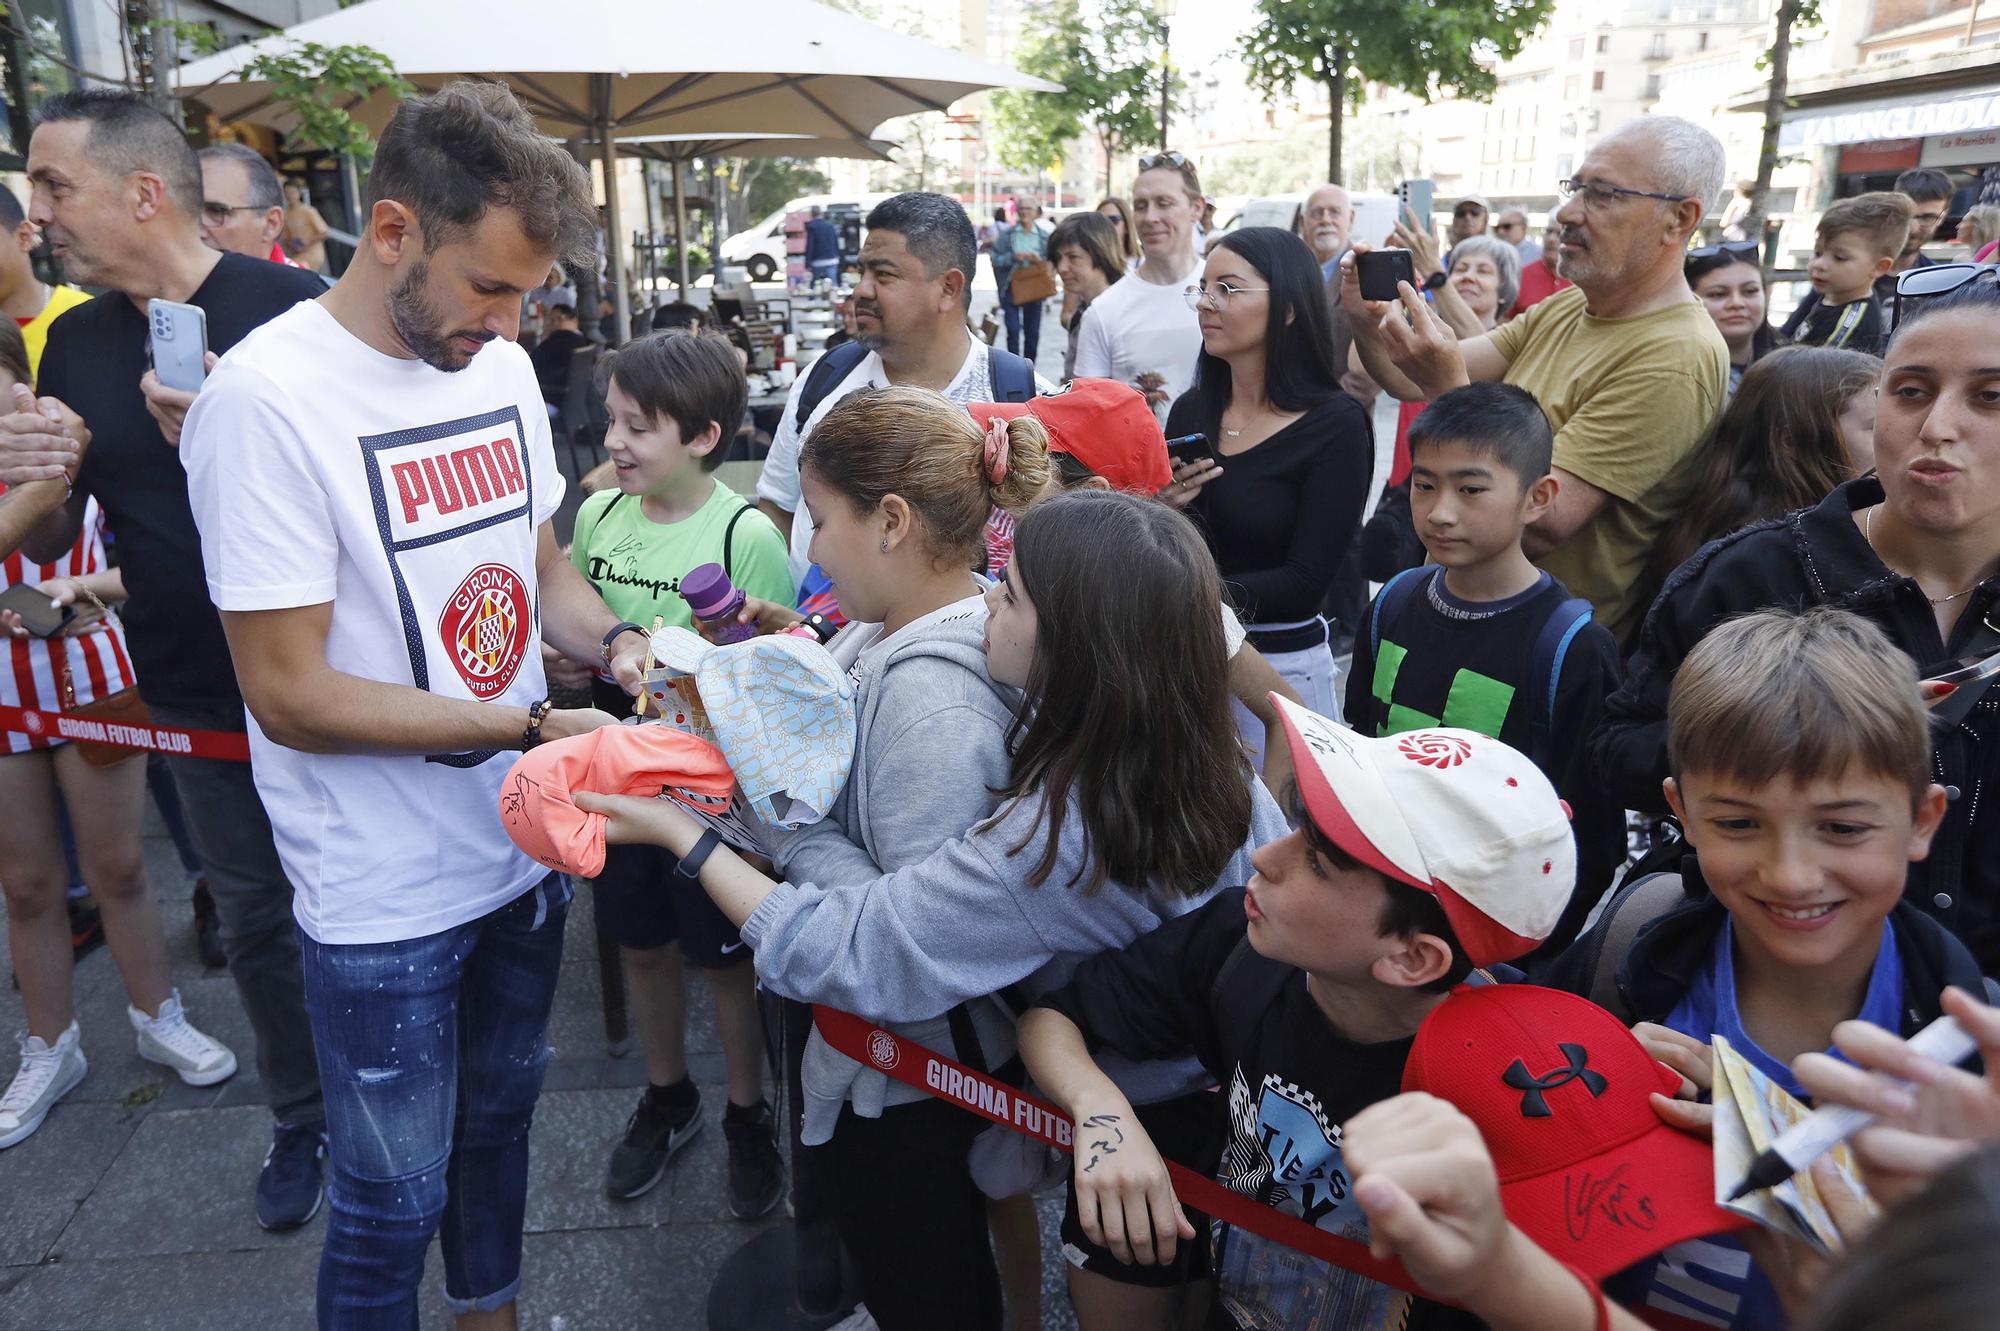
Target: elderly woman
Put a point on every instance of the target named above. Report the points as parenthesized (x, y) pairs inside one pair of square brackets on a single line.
[(1979, 231)]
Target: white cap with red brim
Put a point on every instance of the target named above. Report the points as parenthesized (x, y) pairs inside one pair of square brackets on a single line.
[(1453, 813)]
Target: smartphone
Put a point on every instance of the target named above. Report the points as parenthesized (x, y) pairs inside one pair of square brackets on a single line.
[(1381, 270), (1969, 670), (179, 337), (1420, 197), (38, 614), (1189, 448)]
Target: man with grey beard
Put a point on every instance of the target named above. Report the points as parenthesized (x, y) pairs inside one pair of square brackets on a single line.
[(1627, 366), (1325, 222)]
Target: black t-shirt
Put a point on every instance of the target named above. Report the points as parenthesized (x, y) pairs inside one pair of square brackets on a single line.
[(551, 359), (1282, 515), (1290, 1080), (96, 356), (1446, 662), (1859, 325)]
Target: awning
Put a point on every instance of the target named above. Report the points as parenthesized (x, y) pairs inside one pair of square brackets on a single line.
[(1890, 118)]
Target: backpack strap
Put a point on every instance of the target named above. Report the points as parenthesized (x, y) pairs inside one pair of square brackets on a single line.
[(827, 371), (1012, 377), (729, 538), (1551, 646), (1391, 601), (1636, 905)]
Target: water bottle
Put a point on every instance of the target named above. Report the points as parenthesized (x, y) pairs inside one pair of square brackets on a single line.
[(715, 601)]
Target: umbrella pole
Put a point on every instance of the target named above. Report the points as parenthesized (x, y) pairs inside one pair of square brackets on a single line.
[(681, 225), (621, 302)]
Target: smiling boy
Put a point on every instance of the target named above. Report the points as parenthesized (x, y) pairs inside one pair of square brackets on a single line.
[(1858, 242), (1802, 774)]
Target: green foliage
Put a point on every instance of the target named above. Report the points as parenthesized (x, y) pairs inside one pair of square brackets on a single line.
[(1420, 46), (1103, 54), (765, 184), (313, 80)]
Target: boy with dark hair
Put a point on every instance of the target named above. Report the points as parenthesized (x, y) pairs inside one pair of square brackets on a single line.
[(1480, 638), (1930, 193), (1801, 761), (1857, 245), (1416, 858), (675, 400)]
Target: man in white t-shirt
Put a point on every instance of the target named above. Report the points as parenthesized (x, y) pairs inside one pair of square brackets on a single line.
[(909, 315), (373, 478)]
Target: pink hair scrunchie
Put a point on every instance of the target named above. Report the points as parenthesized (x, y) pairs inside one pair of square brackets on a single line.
[(996, 450)]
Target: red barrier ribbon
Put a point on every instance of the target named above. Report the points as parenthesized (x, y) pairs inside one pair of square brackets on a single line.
[(231, 745), (914, 1065)]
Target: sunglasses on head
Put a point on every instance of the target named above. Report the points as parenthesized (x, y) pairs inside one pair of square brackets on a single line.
[(1739, 249), (1147, 163), (1937, 280)]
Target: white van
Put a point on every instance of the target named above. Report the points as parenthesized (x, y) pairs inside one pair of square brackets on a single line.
[(1374, 214), (761, 248)]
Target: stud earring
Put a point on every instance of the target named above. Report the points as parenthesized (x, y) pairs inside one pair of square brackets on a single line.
[(884, 547)]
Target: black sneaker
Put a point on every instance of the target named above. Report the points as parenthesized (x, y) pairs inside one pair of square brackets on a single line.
[(207, 934), (291, 1184), (657, 1129), (86, 928), (756, 1170)]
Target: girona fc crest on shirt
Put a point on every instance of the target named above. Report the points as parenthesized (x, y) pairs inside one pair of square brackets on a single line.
[(484, 628)]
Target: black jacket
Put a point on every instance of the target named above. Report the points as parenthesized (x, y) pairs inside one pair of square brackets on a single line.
[(1659, 969), (1817, 556)]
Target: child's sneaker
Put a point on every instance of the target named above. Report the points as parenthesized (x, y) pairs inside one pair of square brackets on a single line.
[(47, 1073), (756, 1169), (171, 1039)]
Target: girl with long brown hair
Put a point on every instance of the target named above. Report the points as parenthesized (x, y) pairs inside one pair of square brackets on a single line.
[(1126, 800)]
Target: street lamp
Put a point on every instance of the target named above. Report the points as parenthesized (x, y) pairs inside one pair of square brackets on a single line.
[(1166, 9)]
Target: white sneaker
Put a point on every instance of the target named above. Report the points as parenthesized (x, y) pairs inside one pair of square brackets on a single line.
[(170, 1039), (47, 1074)]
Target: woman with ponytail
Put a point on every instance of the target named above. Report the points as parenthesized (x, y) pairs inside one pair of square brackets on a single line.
[(1124, 799)]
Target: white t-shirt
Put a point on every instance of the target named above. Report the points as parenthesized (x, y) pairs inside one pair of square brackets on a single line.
[(321, 470), (1136, 326), (779, 481)]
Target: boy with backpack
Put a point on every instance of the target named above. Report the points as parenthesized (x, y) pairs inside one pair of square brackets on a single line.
[(1417, 857), (675, 400), (1801, 760), (1481, 639)]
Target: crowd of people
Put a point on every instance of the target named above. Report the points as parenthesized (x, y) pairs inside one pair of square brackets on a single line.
[(1111, 822)]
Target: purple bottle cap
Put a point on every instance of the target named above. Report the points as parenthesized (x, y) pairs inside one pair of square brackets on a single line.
[(708, 591)]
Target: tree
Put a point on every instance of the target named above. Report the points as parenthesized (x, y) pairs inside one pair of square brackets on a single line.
[(1103, 54), (1791, 15), (1421, 46)]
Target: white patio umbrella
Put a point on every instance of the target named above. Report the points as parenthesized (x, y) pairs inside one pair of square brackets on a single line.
[(677, 150), (605, 69)]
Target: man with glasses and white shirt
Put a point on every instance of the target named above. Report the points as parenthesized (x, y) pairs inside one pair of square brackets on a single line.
[(1627, 364)]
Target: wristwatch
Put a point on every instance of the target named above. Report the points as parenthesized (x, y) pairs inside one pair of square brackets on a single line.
[(604, 647), (1435, 280)]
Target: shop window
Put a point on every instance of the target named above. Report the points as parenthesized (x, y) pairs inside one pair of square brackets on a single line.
[(1603, 42), (1597, 81), (35, 42)]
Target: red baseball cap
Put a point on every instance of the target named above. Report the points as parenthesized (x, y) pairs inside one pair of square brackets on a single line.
[(1558, 1088), (1103, 424)]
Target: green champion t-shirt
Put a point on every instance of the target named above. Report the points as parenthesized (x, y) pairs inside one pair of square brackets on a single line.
[(637, 564)]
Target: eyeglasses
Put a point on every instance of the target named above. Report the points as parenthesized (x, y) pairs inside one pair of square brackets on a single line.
[(1175, 160), (1508, 226), (1218, 296), (1937, 280), (1467, 210), (1598, 194), (1741, 251), (215, 214)]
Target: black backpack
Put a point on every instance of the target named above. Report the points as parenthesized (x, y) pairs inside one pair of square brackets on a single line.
[(1013, 377)]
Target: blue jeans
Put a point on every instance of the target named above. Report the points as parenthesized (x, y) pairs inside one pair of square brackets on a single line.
[(1015, 316), (431, 1053)]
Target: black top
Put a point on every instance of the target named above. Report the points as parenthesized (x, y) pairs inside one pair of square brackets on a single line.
[(551, 359), (1817, 556), (1290, 1078), (96, 355), (1447, 662), (1281, 517), (1859, 325), (1885, 285)]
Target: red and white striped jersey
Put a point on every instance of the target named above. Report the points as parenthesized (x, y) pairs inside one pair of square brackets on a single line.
[(98, 664)]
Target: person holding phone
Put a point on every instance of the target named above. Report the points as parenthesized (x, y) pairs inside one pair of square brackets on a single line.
[(1281, 500), (78, 659)]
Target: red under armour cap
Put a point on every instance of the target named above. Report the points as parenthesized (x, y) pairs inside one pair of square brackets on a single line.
[(1558, 1087), (1103, 424)]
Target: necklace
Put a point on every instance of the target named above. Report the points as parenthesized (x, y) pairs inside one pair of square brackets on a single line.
[(1868, 535)]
